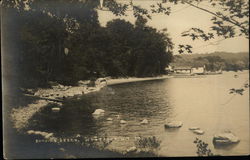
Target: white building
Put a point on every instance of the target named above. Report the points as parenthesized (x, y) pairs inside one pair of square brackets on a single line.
[(198, 70), (187, 70), (183, 70)]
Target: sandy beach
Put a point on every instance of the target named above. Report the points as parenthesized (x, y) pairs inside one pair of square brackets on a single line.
[(134, 79)]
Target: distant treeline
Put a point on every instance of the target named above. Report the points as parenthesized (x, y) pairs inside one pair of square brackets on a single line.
[(66, 43), (215, 61)]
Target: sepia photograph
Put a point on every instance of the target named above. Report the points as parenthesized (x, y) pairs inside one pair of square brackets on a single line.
[(125, 78)]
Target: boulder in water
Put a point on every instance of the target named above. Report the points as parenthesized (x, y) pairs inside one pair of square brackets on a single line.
[(198, 131), (98, 112), (173, 124), (145, 121), (194, 128), (225, 138)]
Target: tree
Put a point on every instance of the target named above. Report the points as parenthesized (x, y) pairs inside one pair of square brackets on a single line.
[(92, 51), (45, 29)]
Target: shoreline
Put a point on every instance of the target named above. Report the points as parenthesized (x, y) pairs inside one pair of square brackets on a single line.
[(20, 116), (134, 79)]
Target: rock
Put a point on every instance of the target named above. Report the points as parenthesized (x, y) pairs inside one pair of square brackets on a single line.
[(98, 112), (62, 149), (109, 119), (55, 109), (131, 149), (194, 128), (30, 132), (78, 135), (38, 133), (123, 122), (225, 138), (59, 103), (83, 83), (44, 134), (100, 80), (61, 86), (145, 121), (198, 131), (48, 135), (173, 124)]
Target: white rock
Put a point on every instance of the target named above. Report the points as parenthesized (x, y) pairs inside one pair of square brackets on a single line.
[(100, 80), (145, 121), (109, 119), (173, 124), (30, 132), (123, 122), (194, 128), (83, 82), (198, 131), (59, 103), (38, 132), (131, 149), (49, 135), (225, 138), (44, 134), (98, 112), (78, 135), (55, 109)]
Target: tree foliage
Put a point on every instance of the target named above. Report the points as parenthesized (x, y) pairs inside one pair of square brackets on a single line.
[(65, 43)]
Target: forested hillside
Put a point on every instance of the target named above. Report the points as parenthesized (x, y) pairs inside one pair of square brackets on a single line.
[(214, 61)]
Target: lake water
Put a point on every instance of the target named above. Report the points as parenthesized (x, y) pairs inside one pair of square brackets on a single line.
[(197, 102)]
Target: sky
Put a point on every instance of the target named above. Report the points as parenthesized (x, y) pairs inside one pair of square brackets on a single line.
[(182, 18)]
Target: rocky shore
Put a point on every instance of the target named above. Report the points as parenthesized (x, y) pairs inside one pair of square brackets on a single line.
[(57, 93)]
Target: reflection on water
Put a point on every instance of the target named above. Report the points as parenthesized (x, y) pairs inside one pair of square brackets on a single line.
[(197, 102)]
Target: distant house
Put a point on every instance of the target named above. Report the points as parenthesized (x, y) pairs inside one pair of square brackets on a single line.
[(198, 70), (182, 70)]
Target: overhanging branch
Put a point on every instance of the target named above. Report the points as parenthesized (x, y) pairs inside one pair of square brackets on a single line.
[(212, 13)]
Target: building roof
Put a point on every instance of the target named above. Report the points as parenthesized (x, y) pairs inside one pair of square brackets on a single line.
[(183, 67)]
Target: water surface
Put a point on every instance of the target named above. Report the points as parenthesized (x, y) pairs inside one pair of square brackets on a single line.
[(197, 102)]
